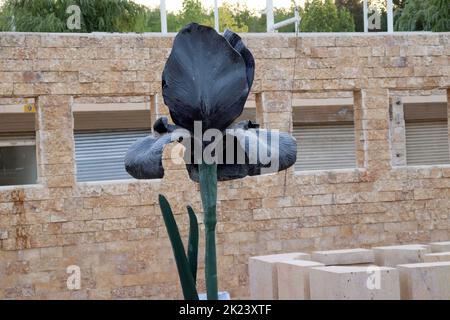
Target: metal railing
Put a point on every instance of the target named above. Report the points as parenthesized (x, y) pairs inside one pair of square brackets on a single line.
[(270, 20)]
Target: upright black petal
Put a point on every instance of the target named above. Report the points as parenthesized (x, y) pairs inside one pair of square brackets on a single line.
[(204, 79), (236, 42)]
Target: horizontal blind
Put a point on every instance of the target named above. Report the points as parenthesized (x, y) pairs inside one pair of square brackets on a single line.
[(100, 155), (427, 143), (325, 147)]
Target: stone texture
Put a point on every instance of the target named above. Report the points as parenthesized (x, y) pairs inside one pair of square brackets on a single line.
[(130, 256), (343, 256), (3, 234), (293, 279), (351, 283), (392, 256), (425, 281), (440, 246), (264, 276), (437, 257)]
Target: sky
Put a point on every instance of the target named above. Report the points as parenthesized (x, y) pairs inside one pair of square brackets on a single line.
[(175, 5)]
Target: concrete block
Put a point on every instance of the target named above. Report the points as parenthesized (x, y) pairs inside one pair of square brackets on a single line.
[(293, 279), (440, 246), (263, 274), (391, 256), (354, 283), (425, 281), (343, 257), (437, 257)]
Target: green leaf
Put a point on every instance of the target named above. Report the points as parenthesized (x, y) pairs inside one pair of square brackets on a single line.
[(184, 270), (193, 242)]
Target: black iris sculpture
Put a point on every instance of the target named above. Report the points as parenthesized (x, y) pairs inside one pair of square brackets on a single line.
[(205, 83)]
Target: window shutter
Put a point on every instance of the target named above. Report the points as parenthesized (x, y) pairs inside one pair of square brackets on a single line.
[(325, 147), (100, 155), (427, 143)]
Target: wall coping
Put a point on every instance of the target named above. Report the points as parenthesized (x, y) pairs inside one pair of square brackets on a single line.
[(250, 35)]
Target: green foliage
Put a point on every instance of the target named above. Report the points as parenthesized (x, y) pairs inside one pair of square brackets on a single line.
[(355, 7), (192, 11), (187, 269), (193, 242), (51, 16), (427, 15), (324, 16), (127, 16)]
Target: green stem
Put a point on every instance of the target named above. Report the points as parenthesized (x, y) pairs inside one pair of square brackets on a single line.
[(208, 190)]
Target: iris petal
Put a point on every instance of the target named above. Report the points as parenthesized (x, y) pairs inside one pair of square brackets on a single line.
[(144, 158), (204, 79), (266, 151), (236, 42)]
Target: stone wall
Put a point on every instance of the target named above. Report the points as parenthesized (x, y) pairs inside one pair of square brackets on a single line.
[(114, 231)]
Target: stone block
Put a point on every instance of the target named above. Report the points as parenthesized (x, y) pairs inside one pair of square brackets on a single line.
[(437, 257), (293, 279), (425, 281), (440, 246), (3, 234), (390, 256), (263, 274), (343, 257), (354, 283)]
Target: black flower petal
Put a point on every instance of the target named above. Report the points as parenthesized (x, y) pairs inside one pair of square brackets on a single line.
[(254, 143), (143, 159), (205, 79), (236, 42)]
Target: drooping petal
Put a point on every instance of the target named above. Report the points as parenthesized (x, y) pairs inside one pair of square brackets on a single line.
[(204, 79), (261, 152), (144, 158), (236, 42)]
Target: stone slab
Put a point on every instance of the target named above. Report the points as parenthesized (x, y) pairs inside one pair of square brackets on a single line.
[(354, 283), (437, 257), (3, 234), (440, 246), (425, 281), (391, 256), (263, 274), (344, 257), (293, 279)]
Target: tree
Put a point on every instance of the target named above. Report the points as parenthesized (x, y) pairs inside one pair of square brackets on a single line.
[(51, 16), (427, 15), (355, 7), (323, 16), (192, 11)]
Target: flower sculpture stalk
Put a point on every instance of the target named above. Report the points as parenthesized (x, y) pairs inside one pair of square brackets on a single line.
[(206, 81)]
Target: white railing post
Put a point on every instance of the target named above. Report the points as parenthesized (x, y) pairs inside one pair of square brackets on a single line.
[(270, 20), (162, 9), (216, 16), (365, 18), (390, 16)]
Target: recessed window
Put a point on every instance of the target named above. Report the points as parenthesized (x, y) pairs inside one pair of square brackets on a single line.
[(426, 132), (17, 142), (104, 130), (325, 133)]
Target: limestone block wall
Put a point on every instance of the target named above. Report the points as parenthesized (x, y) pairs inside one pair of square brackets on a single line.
[(114, 231)]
